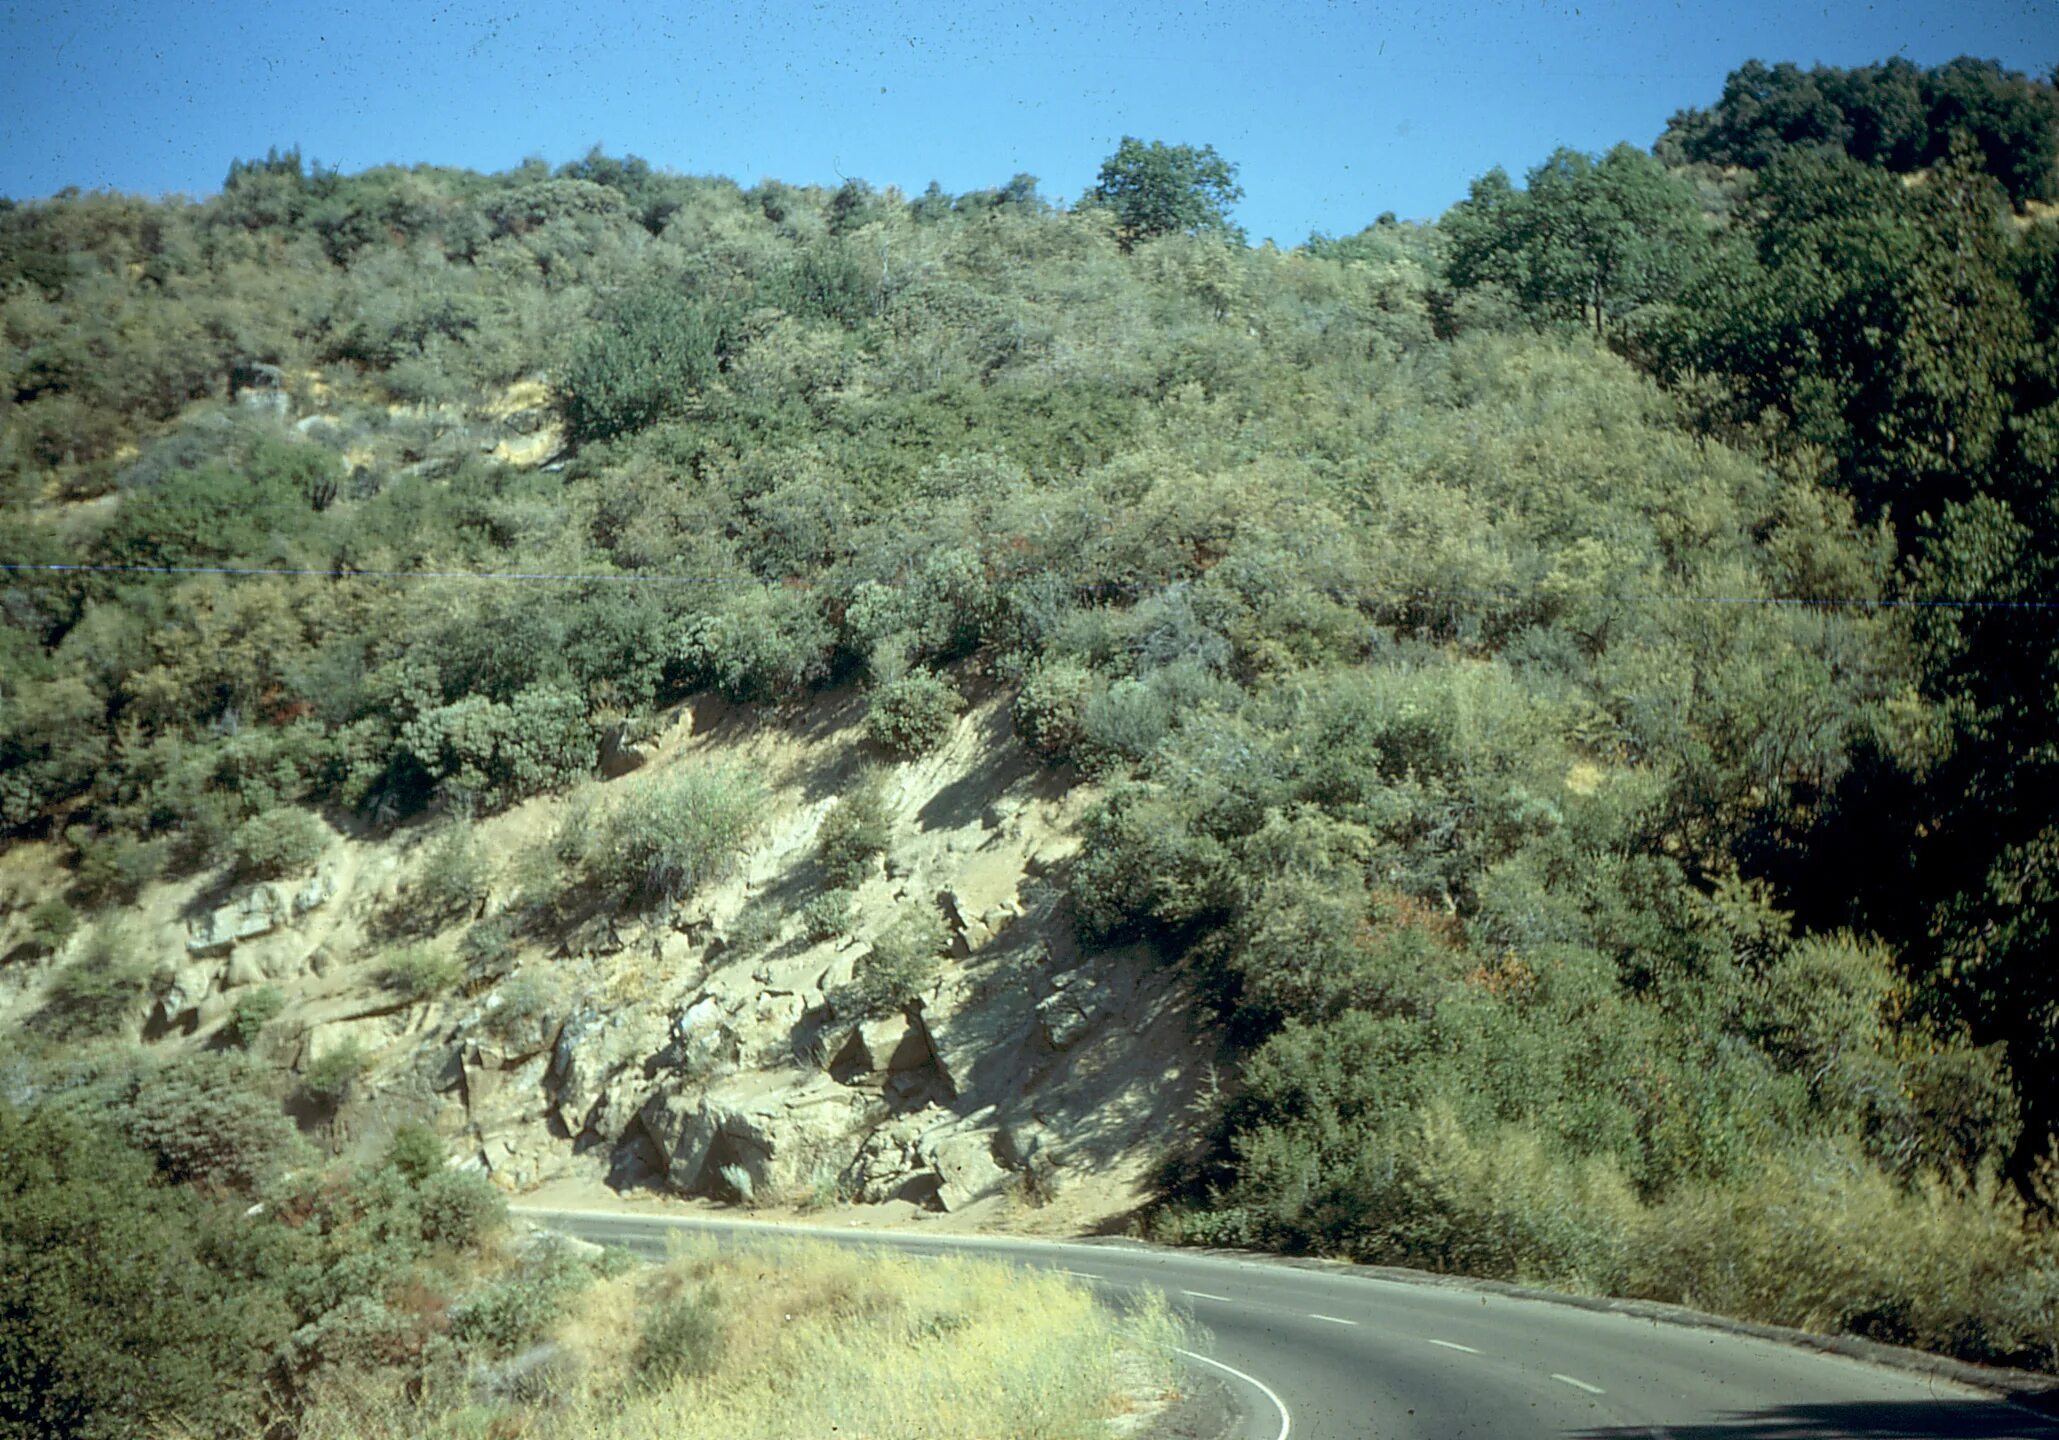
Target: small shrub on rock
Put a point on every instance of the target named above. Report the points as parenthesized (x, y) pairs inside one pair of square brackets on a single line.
[(900, 966), (419, 973), (93, 994), (827, 916), (51, 923), (856, 830), (328, 1079), (251, 1012)]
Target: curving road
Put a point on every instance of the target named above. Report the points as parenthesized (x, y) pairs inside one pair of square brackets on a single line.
[(1312, 1355)]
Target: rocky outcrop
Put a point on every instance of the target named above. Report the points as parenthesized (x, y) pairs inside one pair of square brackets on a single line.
[(781, 1128), (257, 911), (931, 1158)]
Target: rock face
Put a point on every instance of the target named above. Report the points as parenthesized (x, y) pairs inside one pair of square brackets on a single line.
[(258, 911), (780, 1128), (931, 1158)]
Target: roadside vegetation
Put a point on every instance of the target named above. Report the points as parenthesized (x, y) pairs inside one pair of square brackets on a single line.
[(800, 1339), (1572, 684)]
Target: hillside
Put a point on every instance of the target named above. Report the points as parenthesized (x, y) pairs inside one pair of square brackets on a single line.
[(1512, 745)]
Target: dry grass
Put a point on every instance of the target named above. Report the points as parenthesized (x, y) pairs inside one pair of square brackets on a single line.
[(816, 1339)]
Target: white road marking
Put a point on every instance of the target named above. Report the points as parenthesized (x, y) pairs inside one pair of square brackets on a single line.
[(1253, 1381), (1454, 1345), (1204, 1295), (1080, 1274), (1581, 1385), (1334, 1320)]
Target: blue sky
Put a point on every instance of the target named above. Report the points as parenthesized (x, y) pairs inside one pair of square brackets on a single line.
[(1335, 112)]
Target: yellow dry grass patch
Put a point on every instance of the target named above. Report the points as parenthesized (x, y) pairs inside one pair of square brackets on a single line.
[(808, 1339), (821, 1340)]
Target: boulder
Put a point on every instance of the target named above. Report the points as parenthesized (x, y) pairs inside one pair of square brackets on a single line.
[(889, 1167), (243, 970), (258, 911), (966, 1168), (316, 891), (619, 754), (777, 1126), (880, 1047), (1063, 1019), (179, 1005)]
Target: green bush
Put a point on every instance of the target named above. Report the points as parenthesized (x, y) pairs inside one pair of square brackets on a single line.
[(451, 881), (651, 353), (856, 830), (902, 964), (96, 993), (420, 973), (1050, 708), (51, 924), (505, 1316), (489, 753), (250, 1012), (329, 1079), (827, 916), (674, 832), (277, 843), (912, 715), (682, 1337), (211, 1119), (125, 1309), (459, 1210), (415, 1153)]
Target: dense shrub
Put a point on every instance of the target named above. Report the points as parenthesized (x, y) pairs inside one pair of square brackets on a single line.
[(484, 752), (1050, 708), (118, 1315), (913, 715), (459, 1209), (211, 1119), (97, 992), (277, 843), (652, 353)]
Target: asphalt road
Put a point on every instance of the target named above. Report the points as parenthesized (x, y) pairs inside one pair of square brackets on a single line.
[(1311, 1355)]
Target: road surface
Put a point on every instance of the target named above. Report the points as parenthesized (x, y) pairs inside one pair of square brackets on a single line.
[(1311, 1355)]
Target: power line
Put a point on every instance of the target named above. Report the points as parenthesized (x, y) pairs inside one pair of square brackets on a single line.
[(648, 578)]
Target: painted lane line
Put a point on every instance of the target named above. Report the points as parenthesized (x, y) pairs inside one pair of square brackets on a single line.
[(1581, 1385), (1253, 1381), (1333, 1319), (1080, 1274), (1204, 1295), (1454, 1345)]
